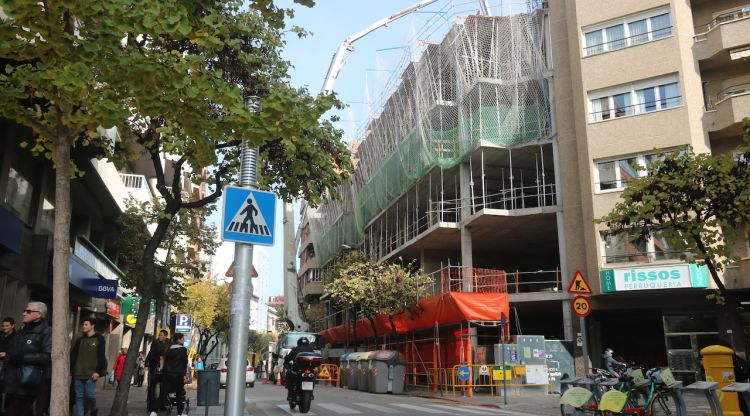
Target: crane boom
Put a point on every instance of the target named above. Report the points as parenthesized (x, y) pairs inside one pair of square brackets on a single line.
[(337, 62)]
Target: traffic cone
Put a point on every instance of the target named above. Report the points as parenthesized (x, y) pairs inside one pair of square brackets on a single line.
[(278, 380)]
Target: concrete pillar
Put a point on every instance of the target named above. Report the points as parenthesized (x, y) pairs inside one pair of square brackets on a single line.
[(467, 256)]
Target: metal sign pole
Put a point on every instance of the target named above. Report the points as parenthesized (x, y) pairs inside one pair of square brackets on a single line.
[(502, 354), (241, 294), (585, 342)]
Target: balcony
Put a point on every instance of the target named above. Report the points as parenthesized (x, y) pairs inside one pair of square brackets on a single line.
[(137, 187), (726, 31), (731, 106), (311, 283)]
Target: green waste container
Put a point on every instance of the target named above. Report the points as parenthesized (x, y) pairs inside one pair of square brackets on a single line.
[(208, 388), (387, 372)]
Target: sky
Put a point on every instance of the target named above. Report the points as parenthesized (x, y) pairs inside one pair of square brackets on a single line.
[(365, 74)]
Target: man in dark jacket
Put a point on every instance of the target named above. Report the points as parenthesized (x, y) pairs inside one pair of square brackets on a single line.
[(175, 367), (7, 333), (303, 345), (153, 362), (27, 361), (88, 363)]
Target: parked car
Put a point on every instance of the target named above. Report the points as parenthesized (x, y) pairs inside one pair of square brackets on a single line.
[(249, 373)]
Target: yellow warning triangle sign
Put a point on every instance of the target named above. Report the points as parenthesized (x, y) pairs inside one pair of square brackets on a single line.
[(579, 284), (324, 373)]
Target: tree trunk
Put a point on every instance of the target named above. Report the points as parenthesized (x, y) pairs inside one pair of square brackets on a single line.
[(374, 329), (120, 402), (59, 396)]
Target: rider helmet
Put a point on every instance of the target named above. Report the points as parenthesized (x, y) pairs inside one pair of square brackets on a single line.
[(303, 341), (609, 352)]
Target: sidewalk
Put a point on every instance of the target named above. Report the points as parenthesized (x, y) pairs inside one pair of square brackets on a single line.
[(137, 401), (528, 403)]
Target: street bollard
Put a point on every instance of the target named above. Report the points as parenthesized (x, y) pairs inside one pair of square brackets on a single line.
[(717, 362)]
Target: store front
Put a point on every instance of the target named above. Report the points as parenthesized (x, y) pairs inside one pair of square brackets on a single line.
[(654, 316)]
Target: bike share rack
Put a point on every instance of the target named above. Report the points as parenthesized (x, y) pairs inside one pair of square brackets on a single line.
[(709, 389)]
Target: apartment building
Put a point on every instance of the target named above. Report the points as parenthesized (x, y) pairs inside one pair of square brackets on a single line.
[(529, 137), (632, 79)]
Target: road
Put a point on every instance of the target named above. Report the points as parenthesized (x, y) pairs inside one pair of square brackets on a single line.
[(269, 400)]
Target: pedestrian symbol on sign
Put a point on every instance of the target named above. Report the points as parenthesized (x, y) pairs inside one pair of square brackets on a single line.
[(249, 213), (248, 216)]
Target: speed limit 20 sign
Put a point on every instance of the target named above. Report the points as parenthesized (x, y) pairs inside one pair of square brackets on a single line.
[(581, 306)]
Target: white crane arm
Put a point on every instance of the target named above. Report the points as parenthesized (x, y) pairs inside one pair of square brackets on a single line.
[(338, 58)]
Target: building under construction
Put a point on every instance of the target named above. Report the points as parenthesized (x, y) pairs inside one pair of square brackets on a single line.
[(457, 173)]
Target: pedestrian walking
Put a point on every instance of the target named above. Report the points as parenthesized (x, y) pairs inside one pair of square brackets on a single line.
[(155, 403), (175, 368), (88, 363), (119, 365), (27, 361), (140, 369), (7, 334)]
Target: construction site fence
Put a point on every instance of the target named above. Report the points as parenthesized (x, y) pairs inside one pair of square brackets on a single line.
[(448, 379), (330, 374)]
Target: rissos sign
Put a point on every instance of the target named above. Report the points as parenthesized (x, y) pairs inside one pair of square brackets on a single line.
[(654, 277)]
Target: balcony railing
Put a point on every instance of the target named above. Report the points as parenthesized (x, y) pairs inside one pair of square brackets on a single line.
[(621, 43), (703, 30), (644, 256), (729, 92), (451, 279), (133, 181)]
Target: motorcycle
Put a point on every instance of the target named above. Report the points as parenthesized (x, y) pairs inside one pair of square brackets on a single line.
[(304, 371)]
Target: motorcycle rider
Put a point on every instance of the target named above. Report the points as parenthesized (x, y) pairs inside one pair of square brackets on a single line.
[(303, 345), (609, 362)]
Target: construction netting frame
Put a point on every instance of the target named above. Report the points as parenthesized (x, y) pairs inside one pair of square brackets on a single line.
[(483, 83)]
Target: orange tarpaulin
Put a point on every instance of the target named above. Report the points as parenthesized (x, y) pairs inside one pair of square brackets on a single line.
[(448, 308)]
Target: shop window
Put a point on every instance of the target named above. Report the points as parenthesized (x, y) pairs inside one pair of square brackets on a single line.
[(19, 193)]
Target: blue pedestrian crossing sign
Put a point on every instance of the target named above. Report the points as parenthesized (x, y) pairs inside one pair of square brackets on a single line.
[(248, 216)]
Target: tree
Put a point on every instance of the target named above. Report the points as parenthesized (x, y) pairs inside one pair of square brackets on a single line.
[(50, 83), (257, 342), (314, 315), (210, 76), (697, 202), (367, 289), (208, 302)]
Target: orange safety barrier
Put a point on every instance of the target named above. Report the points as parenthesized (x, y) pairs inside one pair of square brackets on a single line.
[(330, 374)]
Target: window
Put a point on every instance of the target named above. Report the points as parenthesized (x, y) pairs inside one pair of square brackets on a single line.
[(615, 174), (637, 98), (620, 248), (629, 31), (18, 194)]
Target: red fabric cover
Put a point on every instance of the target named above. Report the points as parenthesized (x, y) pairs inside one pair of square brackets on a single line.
[(448, 308)]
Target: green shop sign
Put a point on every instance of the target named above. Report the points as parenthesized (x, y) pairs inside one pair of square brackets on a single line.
[(131, 304), (654, 277)]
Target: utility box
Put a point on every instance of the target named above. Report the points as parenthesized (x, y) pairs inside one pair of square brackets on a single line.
[(387, 372), (208, 388), (717, 362)]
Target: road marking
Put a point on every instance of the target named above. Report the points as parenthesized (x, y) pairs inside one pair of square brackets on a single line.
[(285, 408), (417, 408), (337, 408), (475, 410), (374, 407)]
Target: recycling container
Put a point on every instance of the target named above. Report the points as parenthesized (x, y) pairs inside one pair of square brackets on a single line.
[(208, 388), (344, 369), (352, 378), (364, 371), (387, 372)]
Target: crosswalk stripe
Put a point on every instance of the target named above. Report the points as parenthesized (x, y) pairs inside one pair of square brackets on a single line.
[(417, 408), (377, 407), (460, 409), (337, 408), (285, 408)]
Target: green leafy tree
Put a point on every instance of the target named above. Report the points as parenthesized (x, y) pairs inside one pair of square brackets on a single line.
[(257, 342), (209, 303), (697, 202), (314, 315), (367, 289)]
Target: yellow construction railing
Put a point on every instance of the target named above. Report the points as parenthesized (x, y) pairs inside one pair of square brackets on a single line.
[(468, 377), (330, 373)]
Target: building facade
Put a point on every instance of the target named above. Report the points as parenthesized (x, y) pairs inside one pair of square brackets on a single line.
[(506, 139)]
